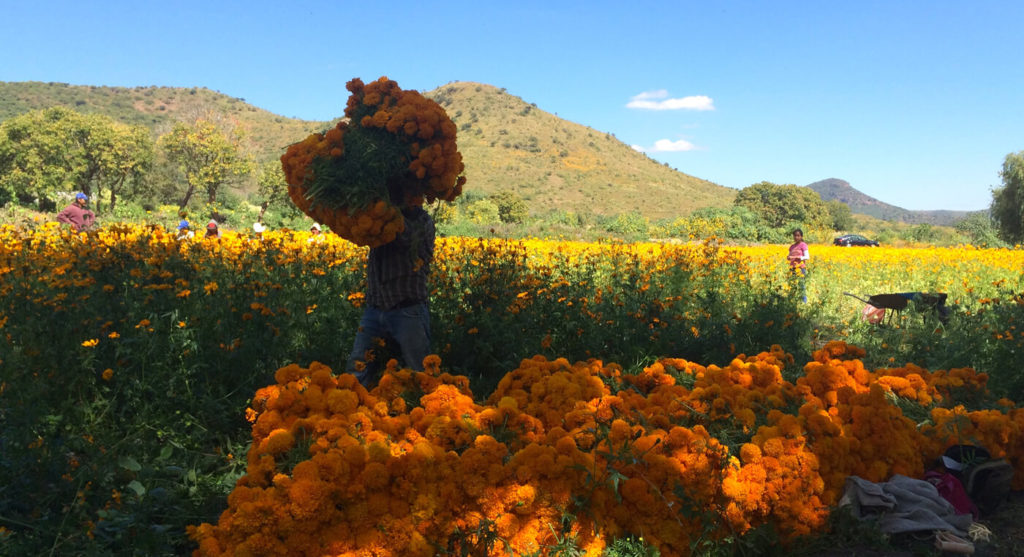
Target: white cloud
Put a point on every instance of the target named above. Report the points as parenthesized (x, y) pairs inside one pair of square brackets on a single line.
[(659, 94), (665, 145), (658, 100), (638, 148)]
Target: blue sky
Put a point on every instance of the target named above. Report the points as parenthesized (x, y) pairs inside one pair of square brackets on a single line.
[(916, 103)]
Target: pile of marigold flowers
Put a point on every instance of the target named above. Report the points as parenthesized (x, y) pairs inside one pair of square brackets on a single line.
[(417, 467), (397, 148)]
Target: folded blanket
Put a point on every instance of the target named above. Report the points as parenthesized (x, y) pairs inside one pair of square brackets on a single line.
[(903, 504)]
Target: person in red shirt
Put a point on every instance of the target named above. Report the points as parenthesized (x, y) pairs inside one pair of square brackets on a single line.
[(212, 230), (80, 218), (798, 257)]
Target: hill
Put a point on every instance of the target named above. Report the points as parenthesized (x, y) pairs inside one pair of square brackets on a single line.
[(158, 108), (840, 190), (507, 144)]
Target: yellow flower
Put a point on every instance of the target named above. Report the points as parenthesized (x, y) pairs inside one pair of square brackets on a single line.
[(91, 342), (108, 374), (113, 334)]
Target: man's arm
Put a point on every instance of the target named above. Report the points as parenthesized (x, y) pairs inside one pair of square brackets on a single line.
[(65, 216)]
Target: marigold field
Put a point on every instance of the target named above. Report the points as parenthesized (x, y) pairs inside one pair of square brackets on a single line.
[(161, 397)]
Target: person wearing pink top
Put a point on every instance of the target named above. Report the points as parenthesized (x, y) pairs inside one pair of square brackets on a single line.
[(798, 256), (77, 215)]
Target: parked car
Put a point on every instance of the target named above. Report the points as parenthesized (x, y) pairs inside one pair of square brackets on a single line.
[(854, 240)]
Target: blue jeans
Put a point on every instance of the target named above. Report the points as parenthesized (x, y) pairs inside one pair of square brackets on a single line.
[(408, 327), (803, 281)]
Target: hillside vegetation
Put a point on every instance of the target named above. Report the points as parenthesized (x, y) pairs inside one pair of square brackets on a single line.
[(507, 144), (158, 108)]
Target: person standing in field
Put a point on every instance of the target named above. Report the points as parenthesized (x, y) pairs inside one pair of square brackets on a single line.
[(798, 257), (80, 218), (184, 231), (316, 234), (396, 308), (212, 230), (258, 228)]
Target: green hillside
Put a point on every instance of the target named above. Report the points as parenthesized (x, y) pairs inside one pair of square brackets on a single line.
[(507, 143), (157, 108)]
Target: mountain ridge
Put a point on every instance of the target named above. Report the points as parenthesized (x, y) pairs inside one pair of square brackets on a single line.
[(840, 190)]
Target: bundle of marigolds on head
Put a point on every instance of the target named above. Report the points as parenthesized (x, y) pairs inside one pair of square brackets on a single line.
[(397, 149)]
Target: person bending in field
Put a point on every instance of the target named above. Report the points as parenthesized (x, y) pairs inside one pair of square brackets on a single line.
[(212, 230), (798, 257), (80, 218), (396, 308)]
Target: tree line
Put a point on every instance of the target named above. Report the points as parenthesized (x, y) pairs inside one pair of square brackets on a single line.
[(45, 154)]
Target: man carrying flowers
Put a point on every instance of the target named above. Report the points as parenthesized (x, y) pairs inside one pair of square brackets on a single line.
[(396, 308), (367, 179)]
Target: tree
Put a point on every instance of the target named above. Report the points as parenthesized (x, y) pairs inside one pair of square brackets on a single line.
[(841, 215), (779, 205), (113, 155), (734, 223), (271, 187), (36, 160), (511, 208), (979, 231), (46, 152), (1008, 201), (208, 156), (483, 211)]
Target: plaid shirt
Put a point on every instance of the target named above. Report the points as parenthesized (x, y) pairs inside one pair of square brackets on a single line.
[(396, 273)]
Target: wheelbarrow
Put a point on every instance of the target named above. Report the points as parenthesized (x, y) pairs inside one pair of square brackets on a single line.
[(877, 304)]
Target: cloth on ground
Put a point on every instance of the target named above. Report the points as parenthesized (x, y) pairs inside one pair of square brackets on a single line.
[(903, 505)]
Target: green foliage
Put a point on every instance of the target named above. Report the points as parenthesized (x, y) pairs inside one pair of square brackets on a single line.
[(1008, 200), (48, 152), (272, 189), (511, 208), (979, 231), (444, 212), (779, 205), (841, 215), (631, 546), (737, 223), (981, 337), (631, 226), (166, 431), (207, 155), (158, 108), (923, 233), (483, 211)]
